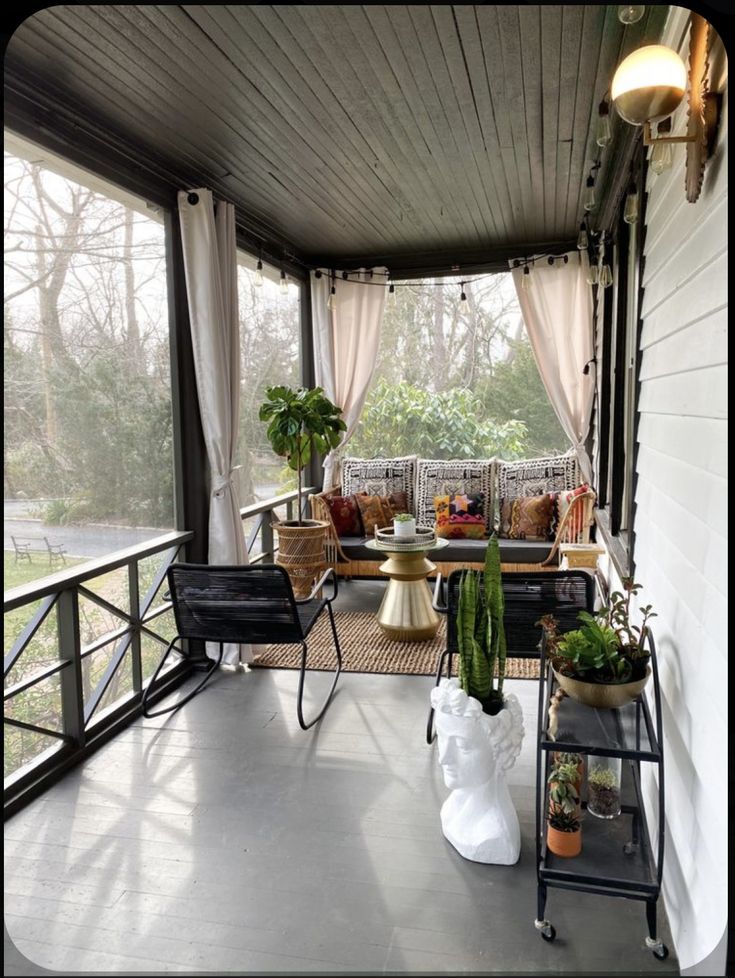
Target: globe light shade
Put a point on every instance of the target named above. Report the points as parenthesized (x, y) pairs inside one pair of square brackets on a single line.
[(649, 84)]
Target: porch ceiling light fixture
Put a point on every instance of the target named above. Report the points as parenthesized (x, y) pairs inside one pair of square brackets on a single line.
[(651, 82)]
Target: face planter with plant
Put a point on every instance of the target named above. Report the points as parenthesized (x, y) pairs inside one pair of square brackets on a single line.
[(301, 421), (564, 831), (404, 525), (603, 787), (481, 634), (604, 662)]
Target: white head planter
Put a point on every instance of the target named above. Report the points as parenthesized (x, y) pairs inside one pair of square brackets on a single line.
[(475, 751)]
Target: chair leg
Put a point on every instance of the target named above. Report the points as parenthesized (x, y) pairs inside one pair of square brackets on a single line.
[(446, 655), (302, 677), (214, 663)]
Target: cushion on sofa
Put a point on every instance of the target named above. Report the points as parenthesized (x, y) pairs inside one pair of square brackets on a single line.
[(462, 551), (380, 477), (380, 510), (534, 476), (441, 477), (345, 515), (460, 516), (576, 522), (528, 517)]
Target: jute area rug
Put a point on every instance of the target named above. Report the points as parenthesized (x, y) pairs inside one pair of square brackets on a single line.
[(365, 648)]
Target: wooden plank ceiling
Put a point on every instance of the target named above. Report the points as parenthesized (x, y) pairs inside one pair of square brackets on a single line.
[(345, 133)]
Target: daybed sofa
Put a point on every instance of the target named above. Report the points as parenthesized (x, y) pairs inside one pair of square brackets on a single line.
[(499, 482)]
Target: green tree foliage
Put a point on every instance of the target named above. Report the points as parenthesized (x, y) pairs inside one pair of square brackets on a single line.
[(402, 419)]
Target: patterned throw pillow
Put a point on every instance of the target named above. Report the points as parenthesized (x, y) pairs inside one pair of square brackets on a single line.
[(345, 515), (527, 517), (380, 476), (460, 516), (532, 477), (380, 510), (440, 477)]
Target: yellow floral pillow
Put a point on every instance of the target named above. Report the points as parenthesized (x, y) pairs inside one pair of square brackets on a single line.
[(460, 516)]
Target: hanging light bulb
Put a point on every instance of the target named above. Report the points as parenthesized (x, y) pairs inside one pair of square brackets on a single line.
[(606, 277), (630, 213), (582, 240), (661, 157), (462, 294), (284, 283), (588, 198), (604, 132), (392, 292), (592, 275), (526, 282), (258, 277), (630, 13), (332, 300)]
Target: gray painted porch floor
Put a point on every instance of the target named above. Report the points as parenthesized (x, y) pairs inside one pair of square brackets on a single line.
[(224, 839)]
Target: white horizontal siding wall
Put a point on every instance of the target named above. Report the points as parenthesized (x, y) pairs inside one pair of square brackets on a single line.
[(681, 529)]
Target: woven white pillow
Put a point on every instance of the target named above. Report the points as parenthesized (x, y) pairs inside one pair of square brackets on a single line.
[(380, 477), (533, 476)]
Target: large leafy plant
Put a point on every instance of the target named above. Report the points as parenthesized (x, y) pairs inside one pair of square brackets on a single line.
[(480, 632), (607, 647), (301, 421)]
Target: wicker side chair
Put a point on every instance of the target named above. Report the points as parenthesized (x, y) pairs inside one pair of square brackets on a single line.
[(244, 604)]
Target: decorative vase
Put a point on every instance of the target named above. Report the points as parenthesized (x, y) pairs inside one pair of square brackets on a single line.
[(475, 751), (301, 552), (603, 786), (565, 844), (601, 696), (403, 529)]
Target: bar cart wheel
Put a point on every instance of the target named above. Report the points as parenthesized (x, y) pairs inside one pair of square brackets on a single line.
[(658, 949), (547, 930)]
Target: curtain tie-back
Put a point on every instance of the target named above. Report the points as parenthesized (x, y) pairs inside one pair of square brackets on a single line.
[(220, 482)]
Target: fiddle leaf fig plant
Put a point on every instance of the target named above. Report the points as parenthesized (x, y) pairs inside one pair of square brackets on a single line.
[(301, 421)]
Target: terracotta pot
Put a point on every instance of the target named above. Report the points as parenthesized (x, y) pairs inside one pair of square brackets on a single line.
[(566, 844), (601, 696)]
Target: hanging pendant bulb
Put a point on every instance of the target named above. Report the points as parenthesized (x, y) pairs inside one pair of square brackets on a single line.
[(606, 277), (588, 198), (526, 282), (592, 275), (284, 283), (630, 213), (392, 292), (661, 157), (462, 294), (630, 13), (332, 299), (258, 276), (582, 239), (604, 132)]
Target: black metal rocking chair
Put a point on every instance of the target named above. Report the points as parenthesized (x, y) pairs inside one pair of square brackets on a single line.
[(527, 596), (241, 604)]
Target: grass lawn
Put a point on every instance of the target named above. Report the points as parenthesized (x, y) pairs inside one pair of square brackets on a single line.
[(15, 574)]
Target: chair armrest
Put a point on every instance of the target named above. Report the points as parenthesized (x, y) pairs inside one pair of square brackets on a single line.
[(320, 511), (329, 572), (439, 601)]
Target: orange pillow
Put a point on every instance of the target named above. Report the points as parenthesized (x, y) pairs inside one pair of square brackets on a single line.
[(459, 516), (380, 510)]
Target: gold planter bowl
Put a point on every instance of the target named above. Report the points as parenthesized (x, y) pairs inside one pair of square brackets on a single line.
[(601, 696)]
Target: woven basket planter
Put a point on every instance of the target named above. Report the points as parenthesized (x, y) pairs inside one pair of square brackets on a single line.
[(301, 552)]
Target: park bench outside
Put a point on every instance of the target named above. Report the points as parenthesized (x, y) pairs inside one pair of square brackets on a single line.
[(26, 546)]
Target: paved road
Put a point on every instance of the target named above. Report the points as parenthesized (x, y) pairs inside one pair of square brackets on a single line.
[(95, 540)]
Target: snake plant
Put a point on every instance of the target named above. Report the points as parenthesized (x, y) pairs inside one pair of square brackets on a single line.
[(480, 632)]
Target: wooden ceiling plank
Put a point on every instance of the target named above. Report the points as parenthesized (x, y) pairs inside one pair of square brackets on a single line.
[(466, 16), (427, 110), (466, 178), (549, 43), (535, 69), (571, 49), (456, 56)]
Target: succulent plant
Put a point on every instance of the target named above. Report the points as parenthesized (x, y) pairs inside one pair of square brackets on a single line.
[(403, 517), (564, 821), (563, 794), (602, 777)]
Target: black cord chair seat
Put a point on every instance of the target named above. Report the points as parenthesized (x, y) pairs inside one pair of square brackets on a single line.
[(244, 605), (527, 597)]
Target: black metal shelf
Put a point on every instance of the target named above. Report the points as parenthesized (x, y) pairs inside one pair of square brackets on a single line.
[(617, 858)]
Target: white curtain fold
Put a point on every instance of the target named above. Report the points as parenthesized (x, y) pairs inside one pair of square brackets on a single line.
[(208, 242), (346, 344), (557, 312)]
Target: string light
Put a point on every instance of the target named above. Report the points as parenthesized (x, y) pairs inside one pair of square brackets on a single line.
[(284, 283), (604, 132), (588, 198), (592, 275), (332, 300), (526, 282), (582, 239), (661, 155), (630, 212), (630, 13), (258, 277), (462, 295)]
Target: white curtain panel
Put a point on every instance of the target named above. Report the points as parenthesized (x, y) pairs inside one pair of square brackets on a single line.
[(208, 241), (557, 312), (346, 343)]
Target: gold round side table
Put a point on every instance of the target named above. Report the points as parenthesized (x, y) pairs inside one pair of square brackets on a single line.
[(406, 614)]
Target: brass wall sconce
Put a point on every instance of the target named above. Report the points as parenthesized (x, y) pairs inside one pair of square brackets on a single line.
[(652, 81)]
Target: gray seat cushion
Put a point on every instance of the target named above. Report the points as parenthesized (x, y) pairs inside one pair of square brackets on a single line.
[(471, 551)]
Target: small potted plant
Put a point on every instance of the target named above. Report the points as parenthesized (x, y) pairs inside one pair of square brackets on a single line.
[(577, 762), (404, 526), (564, 831), (603, 787), (604, 662)]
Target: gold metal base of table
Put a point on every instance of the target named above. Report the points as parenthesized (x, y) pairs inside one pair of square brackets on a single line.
[(405, 614)]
